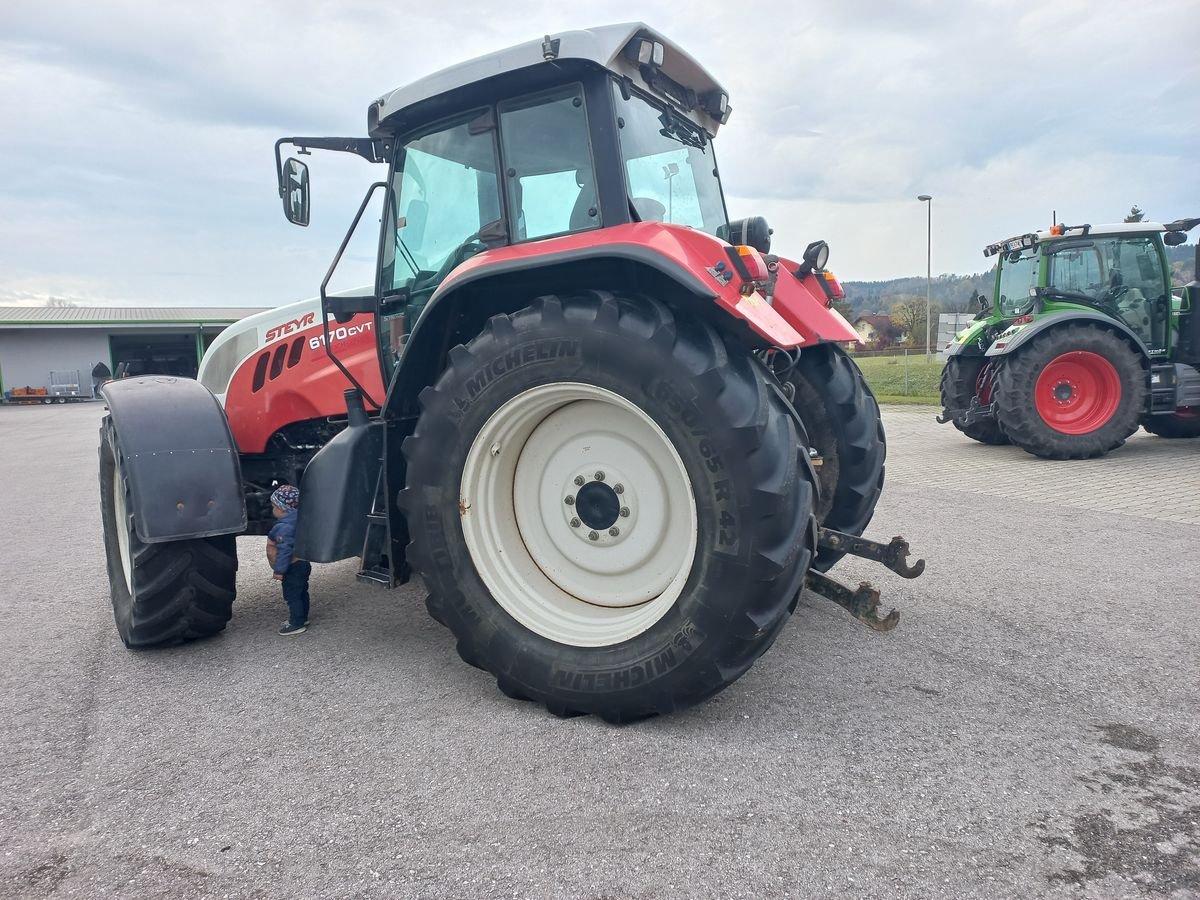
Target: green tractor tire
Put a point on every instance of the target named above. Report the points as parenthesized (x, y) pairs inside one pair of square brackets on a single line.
[(964, 378), (1074, 392)]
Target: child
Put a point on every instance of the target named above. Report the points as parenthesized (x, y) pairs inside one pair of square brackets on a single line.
[(285, 501)]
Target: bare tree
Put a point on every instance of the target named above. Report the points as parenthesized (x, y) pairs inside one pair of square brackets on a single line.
[(1135, 214)]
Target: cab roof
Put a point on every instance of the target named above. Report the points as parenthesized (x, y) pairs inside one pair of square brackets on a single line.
[(1021, 241), (610, 47)]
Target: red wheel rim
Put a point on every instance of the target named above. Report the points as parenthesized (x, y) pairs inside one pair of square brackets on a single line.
[(1077, 392), (1187, 412), (984, 383)]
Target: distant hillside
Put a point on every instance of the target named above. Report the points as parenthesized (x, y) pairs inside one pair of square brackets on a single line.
[(952, 293)]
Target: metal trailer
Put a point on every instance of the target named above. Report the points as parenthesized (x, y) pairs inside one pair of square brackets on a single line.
[(65, 387)]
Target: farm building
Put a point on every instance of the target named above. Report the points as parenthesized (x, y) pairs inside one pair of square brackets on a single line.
[(73, 342)]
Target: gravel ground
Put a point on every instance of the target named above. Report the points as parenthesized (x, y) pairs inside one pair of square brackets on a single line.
[(1030, 729)]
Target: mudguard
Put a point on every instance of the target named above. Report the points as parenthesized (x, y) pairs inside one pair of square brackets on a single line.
[(697, 261), (177, 452), (1014, 338), (337, 491)]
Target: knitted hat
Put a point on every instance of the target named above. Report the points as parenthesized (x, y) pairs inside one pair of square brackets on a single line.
[(286, 497)]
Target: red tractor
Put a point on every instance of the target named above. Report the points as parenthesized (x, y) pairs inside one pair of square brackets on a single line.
[(611, 430)]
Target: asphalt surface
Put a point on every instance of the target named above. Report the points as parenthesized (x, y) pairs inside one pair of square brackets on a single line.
[(1031, 729)]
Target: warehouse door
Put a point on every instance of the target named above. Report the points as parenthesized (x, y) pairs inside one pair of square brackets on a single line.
[(154, 354)]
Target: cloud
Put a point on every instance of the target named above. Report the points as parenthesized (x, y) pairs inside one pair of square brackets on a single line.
[(138, 153)]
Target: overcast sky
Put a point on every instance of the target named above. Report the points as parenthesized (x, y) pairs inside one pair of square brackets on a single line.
[(136, 139)]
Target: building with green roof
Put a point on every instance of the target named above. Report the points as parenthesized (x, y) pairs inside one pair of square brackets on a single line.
[(36, 341)]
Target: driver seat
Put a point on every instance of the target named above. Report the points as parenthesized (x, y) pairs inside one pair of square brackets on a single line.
[(582, 217)]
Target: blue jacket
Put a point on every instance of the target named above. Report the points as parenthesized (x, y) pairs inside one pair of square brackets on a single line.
[(283, 533)]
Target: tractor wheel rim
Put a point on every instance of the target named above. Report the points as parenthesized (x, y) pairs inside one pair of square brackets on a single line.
[(1078, 392), (122, 522), (578, 514)]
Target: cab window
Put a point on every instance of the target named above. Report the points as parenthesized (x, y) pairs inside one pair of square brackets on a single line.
[(549, 174)]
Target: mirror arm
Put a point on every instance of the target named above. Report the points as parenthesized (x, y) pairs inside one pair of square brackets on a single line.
[(374, 150)]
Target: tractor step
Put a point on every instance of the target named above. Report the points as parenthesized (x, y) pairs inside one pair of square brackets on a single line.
[(376, 575), (376, 567)]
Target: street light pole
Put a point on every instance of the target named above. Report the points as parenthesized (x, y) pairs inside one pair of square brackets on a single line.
[(928, 200)]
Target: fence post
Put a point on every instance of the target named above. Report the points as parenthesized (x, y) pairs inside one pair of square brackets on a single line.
[(906, 393)]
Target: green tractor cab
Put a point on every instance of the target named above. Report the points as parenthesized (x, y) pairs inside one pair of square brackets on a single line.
[(1083, 340)]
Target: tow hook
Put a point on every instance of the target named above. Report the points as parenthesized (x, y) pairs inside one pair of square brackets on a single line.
[(893, 555), (863, 602)]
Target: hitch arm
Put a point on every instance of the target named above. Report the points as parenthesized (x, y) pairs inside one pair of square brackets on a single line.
[(862, 603), (894, 555)]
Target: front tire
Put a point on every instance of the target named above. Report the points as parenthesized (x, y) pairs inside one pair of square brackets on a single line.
[(1075, 392), (162, 593), (512, 503), (842, 422), (965, 378)]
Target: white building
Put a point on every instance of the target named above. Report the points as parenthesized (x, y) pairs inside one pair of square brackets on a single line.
[(38, 340)]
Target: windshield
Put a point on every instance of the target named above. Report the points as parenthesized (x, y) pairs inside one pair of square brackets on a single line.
[(1018, 273), (670, 168)]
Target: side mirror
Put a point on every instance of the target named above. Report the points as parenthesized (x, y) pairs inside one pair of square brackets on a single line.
[(816, 255), (1174, 238), (294, 191), (752, 232)]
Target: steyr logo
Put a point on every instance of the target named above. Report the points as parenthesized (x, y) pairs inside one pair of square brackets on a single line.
[(293, 325)]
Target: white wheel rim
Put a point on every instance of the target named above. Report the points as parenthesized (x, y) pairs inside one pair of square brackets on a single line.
[(541, 478), (122, 521)]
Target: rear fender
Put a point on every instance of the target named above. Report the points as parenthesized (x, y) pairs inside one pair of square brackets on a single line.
[(697, 262), (803, 304), (1017, 336), (179, 457), (667, 262)]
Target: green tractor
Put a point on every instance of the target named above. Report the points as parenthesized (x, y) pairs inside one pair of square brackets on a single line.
[(1083, 341)]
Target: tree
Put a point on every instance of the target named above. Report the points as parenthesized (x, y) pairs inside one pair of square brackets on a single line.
[(843, 306), (908, 314), (1135, 214)]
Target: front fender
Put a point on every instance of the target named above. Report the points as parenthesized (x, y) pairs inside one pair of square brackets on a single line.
[(177, 452), (1018, 336), (968, 340)]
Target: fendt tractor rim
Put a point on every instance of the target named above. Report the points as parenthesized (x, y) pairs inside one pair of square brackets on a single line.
[(122, 521), (578, 514), (1078, 392)]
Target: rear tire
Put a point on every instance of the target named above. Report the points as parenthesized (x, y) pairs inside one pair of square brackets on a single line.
[(960, 384), (1075, 392), (162, 593), (1183, 423), (662, 395), (842, 421)]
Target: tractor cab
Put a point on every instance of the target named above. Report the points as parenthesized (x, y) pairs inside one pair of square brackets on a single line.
[(547, 142), (1119, 270)]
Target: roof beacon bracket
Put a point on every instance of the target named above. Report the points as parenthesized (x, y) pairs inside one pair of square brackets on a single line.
[(550, 48)]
